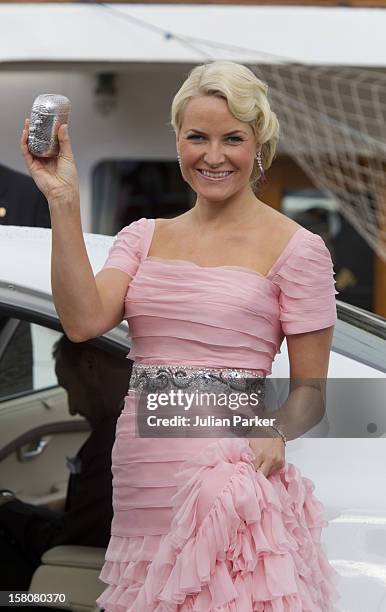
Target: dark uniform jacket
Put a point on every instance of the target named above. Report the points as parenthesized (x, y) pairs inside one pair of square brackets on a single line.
[(21, 202)]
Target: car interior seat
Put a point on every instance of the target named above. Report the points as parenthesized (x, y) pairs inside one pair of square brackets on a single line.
[(73, 571)]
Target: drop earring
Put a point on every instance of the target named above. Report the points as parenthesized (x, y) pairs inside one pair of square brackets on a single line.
[(179, 159), (260, 164)]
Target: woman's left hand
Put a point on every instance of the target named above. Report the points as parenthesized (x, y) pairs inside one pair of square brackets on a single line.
[(269, 454)]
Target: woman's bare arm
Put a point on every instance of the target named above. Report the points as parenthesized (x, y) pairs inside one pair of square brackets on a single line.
[(306, 403), (87, 306)]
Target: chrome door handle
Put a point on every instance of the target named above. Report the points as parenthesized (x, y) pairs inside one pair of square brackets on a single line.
[(35, 452)]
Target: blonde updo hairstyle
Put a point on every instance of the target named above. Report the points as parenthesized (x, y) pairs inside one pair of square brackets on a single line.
[(246, 97)]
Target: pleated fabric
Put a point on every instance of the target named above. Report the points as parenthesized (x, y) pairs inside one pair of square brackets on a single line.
[(228, 316), (195, 528)]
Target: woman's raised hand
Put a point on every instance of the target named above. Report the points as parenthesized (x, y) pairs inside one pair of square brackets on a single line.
[(56, 177)]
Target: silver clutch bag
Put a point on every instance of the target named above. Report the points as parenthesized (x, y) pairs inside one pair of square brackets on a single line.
[(48, 113)]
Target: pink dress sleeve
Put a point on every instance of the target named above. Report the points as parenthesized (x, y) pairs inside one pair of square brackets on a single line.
[(126, 252), (307, 287)]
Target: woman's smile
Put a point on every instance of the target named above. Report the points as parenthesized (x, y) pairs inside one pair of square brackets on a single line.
[(215, 176)]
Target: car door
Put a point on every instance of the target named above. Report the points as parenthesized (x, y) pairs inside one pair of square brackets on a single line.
[(38, 436)]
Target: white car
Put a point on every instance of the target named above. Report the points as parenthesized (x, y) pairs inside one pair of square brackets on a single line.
[(344, 455)]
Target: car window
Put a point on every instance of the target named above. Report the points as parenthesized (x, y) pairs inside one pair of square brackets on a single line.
[(26, 362)]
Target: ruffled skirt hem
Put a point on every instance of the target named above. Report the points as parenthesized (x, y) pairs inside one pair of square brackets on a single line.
[(238, 542)]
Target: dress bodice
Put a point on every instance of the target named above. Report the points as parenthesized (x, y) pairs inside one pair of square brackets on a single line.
[(223, 316)]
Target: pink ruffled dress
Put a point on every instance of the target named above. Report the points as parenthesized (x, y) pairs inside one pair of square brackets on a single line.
[(195, 527)]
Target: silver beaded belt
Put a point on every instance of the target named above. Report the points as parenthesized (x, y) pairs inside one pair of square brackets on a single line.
[(155, 378)]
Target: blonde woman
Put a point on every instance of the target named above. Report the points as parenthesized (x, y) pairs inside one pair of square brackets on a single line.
[(222, 524)]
